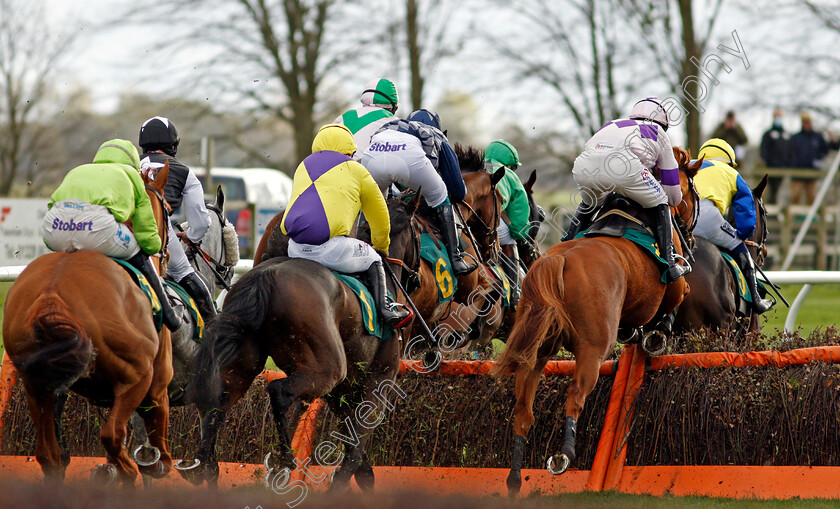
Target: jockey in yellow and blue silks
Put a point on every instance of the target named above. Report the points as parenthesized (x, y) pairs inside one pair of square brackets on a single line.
[(514, 204), (416, 154), (721, 187), (89, 210), (328, 191)]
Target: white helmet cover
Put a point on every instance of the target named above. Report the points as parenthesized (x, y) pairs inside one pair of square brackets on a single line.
[(651, 109)]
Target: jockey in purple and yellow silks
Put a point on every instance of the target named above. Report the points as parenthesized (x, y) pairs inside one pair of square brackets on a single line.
[(328, 192), (721, 187)]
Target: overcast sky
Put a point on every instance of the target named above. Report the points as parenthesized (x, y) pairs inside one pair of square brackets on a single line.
[(114, 60)]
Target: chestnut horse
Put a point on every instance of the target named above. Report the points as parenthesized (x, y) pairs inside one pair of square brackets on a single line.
[(76, 321), (713, 302), (577, 296)]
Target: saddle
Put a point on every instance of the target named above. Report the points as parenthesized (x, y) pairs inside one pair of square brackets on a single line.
[(619, 214)]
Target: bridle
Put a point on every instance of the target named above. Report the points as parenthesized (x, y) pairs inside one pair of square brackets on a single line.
[(687, 229), (222, 272), (483, 230), (411, 274), (163, 228)]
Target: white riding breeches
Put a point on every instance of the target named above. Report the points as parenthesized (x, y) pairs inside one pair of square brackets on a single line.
[(598, 173), (179, 265), (399, 157), (503, 231), (713, 227), (344, 254), (75, 225)]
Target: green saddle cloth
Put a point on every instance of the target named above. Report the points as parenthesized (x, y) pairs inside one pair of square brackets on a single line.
[(644, 240), (370, 315), (192, 307), (141, 281), (433, 251)]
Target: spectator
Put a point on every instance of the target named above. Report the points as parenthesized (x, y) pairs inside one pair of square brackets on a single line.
[(775, 151), (807, 147), (731, 132)]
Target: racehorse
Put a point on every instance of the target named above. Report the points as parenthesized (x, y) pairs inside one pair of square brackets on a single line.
[(713, 302), (577, 296), (61, 337), (300, 314)]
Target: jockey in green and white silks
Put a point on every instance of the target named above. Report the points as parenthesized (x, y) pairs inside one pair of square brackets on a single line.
[(721, 188), (379, 104), (514, 204), (89, 209), (328, 191), (620, 157)]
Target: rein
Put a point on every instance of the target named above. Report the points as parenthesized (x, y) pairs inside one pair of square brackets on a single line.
[(164, 236), (413, 274), (219, 269)]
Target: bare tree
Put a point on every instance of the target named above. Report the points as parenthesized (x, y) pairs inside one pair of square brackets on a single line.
[(677, 42), (29, 54), (574, 47)]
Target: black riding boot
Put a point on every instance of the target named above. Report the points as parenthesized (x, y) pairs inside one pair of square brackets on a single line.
[(195, 286), (581, 221), (450, 238), (664, 238), (142, 263), (759, 305), (392, 313), (510, 264)]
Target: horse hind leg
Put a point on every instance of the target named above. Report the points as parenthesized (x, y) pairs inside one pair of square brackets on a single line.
[(126, 401), (527, 381), (43, 406)]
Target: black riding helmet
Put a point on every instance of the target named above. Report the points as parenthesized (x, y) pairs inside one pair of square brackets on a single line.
[(159, 133)]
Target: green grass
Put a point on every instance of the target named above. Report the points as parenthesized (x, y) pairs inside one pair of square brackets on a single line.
[(822, 308)]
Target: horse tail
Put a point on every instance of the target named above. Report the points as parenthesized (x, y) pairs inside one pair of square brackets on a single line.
[(542, 315), (243, 314), (60, 351)]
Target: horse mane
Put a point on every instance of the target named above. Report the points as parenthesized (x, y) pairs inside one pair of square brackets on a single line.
[(471, 159), (683, 157)]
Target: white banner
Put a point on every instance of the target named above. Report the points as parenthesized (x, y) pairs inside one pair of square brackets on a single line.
[(20, 230)]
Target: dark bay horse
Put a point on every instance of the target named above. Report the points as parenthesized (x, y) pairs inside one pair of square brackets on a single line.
[(76, 321), (712, 302), (300, 314), (576, 297)]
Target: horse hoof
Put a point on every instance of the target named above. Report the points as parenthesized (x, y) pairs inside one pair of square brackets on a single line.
[(514, 483), (277, 480), (104, 474), (187, 465), (632, 338), (563, 462), (654, 342), (146, 455), (431, 360)]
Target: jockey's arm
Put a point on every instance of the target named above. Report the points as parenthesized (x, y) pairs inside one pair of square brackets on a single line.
[(374, 208), (669, 172), (450, 172), (143, 217), (518, 210), (743, 206), (195, 210)]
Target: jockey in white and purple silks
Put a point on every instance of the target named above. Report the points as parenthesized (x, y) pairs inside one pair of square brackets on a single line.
[(619, 158)]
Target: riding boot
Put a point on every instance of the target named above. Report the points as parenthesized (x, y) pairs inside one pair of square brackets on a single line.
[(392, 312), (510, 264), (760, 306), (666, 246), (142, 263), (450, 238), (581, 221), (195, 286)]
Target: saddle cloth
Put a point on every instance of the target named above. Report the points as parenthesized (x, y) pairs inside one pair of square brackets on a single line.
[(370, 314)]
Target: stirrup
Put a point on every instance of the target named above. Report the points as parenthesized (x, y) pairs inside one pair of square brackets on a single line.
[(686, 263)]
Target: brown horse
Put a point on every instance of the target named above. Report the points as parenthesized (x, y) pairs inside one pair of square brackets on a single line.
[(298, 313), (713, 302), (576, 297), (76, 321)]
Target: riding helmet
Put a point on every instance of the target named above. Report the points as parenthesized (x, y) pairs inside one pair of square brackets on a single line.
[(425, 116), (717, 149), (651, 109), (503, 153), (159, 133), (382, 93)]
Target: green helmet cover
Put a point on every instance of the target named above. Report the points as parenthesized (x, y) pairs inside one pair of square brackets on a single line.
[(502, 152), (381, 92)]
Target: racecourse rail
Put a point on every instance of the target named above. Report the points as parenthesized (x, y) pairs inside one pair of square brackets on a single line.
[(608, 471)]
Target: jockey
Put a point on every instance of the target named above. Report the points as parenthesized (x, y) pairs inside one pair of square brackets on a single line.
[(619, 158), (720, 188), (328, 191), (159, 141), (514, 203), (89, 209), (379, 104), (416, 154)]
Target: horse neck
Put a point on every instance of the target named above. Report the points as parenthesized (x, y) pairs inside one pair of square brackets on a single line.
[(212, 244)]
